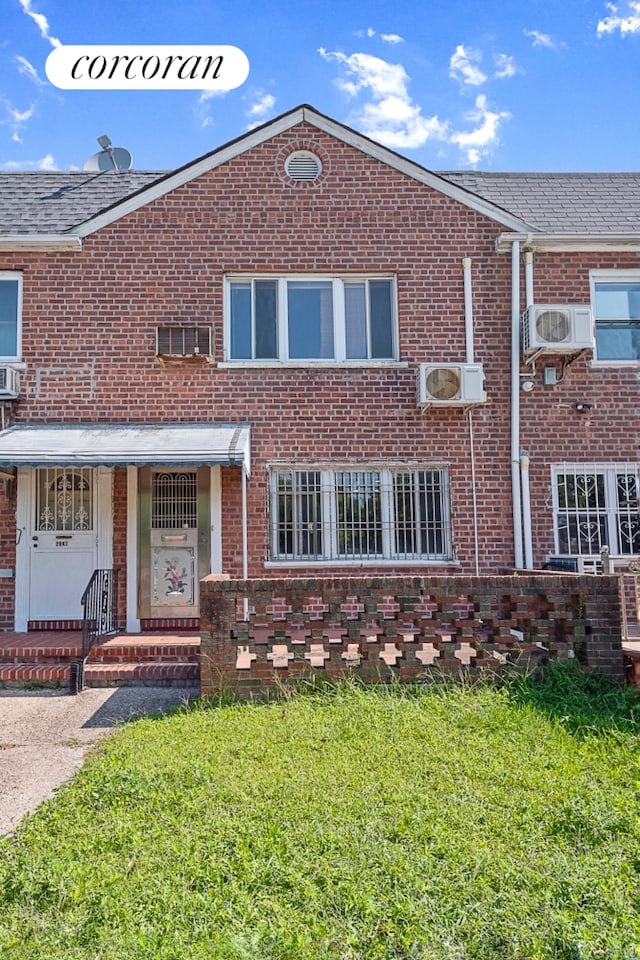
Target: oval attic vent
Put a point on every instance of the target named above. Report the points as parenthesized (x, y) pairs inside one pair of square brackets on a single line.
[(303, 166)]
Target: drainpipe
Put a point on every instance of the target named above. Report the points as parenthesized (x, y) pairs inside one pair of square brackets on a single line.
[(524, 458), (515, 405), (526, 512), (528, 277), (468, 328), (245, 559), (468, 308)]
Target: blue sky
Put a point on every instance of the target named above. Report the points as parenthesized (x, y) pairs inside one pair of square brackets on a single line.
[(500, 85)]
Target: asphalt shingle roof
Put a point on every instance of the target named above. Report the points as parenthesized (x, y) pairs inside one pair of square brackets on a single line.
[(47, 202), (602, 203), (561, 202)]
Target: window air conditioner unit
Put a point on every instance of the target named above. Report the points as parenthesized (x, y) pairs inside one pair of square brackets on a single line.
[(556, 329), (183, 341), (450, 385), (9, 383)]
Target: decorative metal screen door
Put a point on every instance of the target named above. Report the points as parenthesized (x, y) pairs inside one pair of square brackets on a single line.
[(63, 547), (175, 537)]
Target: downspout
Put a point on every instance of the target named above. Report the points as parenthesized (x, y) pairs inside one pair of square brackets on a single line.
[(524, 458), (526, 512), (468, 327), (515, 405), (245, 552), (468, 308)]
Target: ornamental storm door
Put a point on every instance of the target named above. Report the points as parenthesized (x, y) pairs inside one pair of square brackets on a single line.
[(63, 546), (175, 540)]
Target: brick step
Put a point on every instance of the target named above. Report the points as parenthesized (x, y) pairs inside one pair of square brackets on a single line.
[(124, 650), (47, 674), (38, 652), (169, 674)]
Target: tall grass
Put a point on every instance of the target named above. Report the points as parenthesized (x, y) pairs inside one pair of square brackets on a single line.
[(446, 823)]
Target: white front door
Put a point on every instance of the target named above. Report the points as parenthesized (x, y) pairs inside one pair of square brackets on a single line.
[(63, 541)]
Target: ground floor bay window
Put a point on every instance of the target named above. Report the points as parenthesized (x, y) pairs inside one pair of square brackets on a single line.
[(363, 514), (594, 506)]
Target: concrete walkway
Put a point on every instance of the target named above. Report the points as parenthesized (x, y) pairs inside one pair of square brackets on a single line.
[(45, 736)]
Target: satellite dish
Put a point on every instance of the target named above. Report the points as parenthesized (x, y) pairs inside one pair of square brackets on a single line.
[(109, 158)]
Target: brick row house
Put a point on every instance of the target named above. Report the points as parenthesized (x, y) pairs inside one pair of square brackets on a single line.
[(304, 354)]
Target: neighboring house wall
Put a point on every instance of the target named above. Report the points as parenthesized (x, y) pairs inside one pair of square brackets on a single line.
[(553, 432)]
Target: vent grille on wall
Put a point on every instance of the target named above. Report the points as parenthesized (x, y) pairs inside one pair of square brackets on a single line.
[(183, 341), (303, 166)]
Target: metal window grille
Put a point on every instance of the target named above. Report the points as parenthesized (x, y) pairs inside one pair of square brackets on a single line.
[(183, 341), (174, 502), (361, 515), (595, 506), (64, 500)]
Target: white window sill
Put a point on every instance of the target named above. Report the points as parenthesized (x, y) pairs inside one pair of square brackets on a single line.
[(355, 564), (313, 364), (634, 364)]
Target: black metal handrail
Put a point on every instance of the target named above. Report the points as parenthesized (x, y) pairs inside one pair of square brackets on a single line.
[(100, 605)]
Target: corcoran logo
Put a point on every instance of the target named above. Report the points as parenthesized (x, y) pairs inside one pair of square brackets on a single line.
[(147, 67)]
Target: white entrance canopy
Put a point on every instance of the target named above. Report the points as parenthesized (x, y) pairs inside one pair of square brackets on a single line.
[(193, 444)]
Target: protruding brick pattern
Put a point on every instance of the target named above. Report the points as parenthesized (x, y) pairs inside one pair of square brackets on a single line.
[(406, 628)]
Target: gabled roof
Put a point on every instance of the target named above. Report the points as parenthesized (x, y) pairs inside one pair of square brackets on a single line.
[(54, 206)]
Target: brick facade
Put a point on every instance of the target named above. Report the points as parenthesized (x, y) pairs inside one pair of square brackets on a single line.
[(89, 321)]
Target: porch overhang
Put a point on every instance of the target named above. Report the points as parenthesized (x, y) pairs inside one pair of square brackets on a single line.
[(91, 445)]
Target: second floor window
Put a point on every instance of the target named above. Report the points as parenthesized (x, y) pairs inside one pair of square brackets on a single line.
[(311, 319), (616, 300), (10, 308)]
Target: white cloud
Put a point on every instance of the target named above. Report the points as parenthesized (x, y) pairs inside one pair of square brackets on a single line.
[(477, 142), (463, 66), (387, 37), (28, 70), (391, 117), (16, 119), (260, 109), (505, 66), (262, 106), (542, 39), (625, 24), (46, 163), (41, 22)]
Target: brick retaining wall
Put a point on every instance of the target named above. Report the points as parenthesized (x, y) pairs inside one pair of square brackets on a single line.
[(259, 634)]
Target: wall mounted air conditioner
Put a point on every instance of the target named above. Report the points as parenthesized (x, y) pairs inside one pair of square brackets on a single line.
[(450, 385), (9, 383), (554, 328)]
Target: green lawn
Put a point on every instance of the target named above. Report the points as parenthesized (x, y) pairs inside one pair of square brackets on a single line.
[(448, 823)]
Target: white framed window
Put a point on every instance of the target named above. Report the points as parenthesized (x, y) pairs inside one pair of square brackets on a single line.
[(615, 298), (10, 315), (303, 318), (596, 505), (360, 514)]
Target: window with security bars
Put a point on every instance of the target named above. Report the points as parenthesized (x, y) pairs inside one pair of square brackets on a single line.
[(597, 506), (64, 500), (174, 501), (183, 341), (346, 515)]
